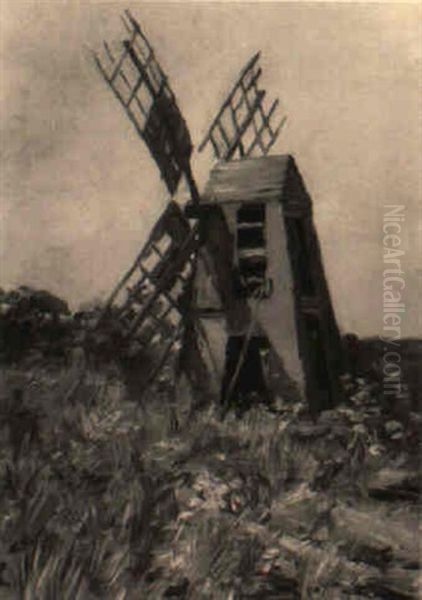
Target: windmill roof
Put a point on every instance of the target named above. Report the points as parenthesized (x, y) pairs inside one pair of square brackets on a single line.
[(249, 180)]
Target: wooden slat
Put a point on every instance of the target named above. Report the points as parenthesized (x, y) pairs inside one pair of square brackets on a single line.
[(164, 293), (108, 52), (248, 180), (125, 80), (246, 88), (277, 133), (138, 30), (251, 63), (121, 60), (134, 91), (223, 133), (140, 67), (170, 123), (247, 81), (171, 212), (126, 24), (132, 296), (120, 98), (188, 246), (266, 127), (244, 126), (240, 130), (249, 107)]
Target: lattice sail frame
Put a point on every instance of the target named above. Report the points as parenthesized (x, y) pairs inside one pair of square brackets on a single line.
[(151, 301), (243, 126), (138, 81)]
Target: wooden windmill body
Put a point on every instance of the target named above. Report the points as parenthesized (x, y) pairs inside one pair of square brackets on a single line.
[(232, 283)]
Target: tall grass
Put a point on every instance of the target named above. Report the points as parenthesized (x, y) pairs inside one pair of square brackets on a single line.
[(110, 502)]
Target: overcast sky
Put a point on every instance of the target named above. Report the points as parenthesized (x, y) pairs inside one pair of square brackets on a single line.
[(79, 191)]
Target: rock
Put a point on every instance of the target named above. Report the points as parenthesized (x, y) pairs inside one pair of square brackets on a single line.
[(393, 426), (374, 531), (376, 449), (305, 430), (395, 484), (178, 590)]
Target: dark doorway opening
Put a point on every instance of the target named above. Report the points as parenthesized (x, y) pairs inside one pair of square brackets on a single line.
[(318, 376), (299, 241), (244, 380)]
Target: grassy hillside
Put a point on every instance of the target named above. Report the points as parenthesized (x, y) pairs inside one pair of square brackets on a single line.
[(106, 497)]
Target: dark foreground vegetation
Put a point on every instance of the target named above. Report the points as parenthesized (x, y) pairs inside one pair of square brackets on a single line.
[(106, 494)]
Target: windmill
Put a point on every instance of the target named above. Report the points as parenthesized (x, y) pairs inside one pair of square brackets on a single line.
[(232, 283)]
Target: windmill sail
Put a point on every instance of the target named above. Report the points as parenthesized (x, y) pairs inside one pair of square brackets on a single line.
[(137, 80), (151, 301), (243, 127)]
